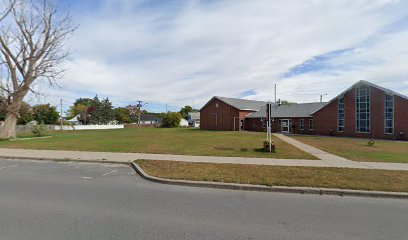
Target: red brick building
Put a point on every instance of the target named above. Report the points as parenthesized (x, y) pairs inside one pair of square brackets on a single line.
[(292, 118), (363, 110), (227, 114)]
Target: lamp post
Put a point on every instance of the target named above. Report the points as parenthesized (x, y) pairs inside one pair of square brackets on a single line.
[(321, 97)]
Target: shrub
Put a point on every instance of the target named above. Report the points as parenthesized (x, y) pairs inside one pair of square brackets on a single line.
[(171, 119), (39, 130)]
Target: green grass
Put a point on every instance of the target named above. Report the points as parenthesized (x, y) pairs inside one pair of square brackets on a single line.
[(358, 149), (161, 140), (344, 178)]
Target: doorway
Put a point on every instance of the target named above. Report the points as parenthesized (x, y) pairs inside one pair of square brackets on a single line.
[(285, 126)]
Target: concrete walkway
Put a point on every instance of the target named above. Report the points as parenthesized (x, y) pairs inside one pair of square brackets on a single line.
[(328, 160), (337, 161)]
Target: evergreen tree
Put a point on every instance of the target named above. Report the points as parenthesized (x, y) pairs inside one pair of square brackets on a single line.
[(106, 111)]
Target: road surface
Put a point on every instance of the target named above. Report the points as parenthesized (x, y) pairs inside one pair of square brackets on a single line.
[(47, 200)]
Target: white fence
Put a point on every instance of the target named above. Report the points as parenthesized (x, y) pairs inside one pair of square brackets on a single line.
[(21, 128), (89, 127)]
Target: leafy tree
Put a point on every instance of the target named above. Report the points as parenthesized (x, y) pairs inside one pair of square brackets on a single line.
[(284, 102), (84, 101), (45, 114), (81, 111), (122, 115), (185, 110), (82, 107), (93, 111), (171, 119), (133, 113), (26, 113)]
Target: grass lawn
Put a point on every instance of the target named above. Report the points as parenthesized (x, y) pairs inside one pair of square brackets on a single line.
[(358, 149), (182, 141), (359, 179)]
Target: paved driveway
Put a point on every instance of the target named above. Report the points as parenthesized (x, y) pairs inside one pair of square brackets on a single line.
[(47, 200)]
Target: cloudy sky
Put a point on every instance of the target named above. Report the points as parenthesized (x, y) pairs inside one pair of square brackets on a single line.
[(183, 52)]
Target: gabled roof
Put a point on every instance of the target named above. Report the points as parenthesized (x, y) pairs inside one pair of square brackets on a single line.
[(289, 111), (240, 104), (149, 117), (194, 115), (74, 119), (363, 82)]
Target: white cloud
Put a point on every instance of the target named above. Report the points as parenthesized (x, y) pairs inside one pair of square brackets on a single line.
[(175, 54)]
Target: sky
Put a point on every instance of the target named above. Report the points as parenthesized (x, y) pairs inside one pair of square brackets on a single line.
[(180, 52)]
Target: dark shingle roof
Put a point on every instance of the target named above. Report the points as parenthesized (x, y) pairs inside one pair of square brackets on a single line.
[(289, 111), (241, 104), (149, 117)]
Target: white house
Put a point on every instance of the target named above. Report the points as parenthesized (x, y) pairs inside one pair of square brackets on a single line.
[(74, 120), (183, 123), (194, 119)]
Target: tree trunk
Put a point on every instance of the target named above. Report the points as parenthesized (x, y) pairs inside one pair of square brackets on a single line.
[(9, 128), (12, 115)]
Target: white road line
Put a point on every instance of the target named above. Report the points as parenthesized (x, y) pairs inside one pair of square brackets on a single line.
[(109, 172), (87, 177), (9, 166)]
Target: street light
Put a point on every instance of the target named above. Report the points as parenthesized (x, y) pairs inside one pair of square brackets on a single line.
[(321, 97)]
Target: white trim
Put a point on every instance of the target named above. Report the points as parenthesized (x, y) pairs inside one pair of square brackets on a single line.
[(288, 120), (311, 129), (385, 114), (344, 113), (300, 127), (369, 109), (359, 83)]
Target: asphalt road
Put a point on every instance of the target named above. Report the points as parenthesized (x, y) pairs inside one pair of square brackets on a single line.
[(47, 200)]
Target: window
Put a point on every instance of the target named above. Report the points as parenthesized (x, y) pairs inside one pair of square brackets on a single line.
[(340, 115), (302, 124), (363, 109), (389, 114), (263, 123), (311, 124)]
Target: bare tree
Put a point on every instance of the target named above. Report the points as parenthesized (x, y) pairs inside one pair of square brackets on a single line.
[(8, 6), (32, 48)]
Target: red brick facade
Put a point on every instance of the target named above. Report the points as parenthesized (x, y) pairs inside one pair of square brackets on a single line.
[(217, 115), (256, 124), (326, 121)]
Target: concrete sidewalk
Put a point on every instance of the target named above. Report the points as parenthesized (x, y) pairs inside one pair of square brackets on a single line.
[(337, 161), (127, 157)]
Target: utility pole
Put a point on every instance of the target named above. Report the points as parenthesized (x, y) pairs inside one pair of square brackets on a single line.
[(61, 113), (275, 92), (166, 107), (139, 106)]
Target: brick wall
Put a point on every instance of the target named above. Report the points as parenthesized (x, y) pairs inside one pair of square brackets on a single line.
[(224, 117), (326, 118)]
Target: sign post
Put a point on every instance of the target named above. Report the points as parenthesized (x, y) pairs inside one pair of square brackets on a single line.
[(269, 125)]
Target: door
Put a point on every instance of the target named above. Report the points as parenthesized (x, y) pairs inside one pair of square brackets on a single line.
[(285, 125)]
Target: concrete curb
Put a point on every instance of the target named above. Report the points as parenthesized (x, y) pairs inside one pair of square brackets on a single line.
[(249, 187)]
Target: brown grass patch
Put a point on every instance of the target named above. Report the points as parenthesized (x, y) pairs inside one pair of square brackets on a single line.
[(344, 178)]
